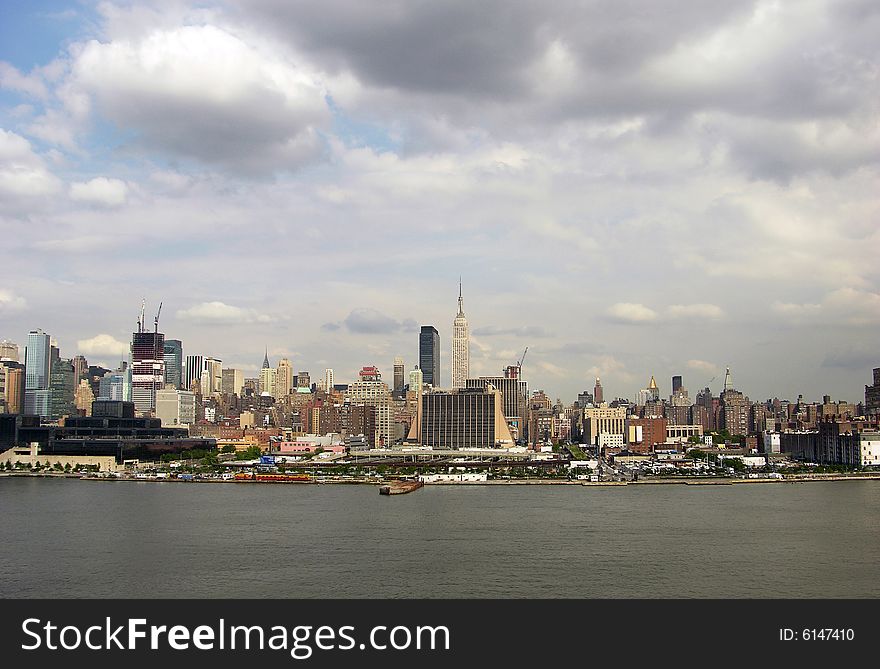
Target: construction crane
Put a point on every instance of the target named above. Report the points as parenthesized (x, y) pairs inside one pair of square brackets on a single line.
[(156, 319), (519, 364)]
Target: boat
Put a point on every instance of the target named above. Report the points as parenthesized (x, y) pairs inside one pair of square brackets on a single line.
[(400, 487)]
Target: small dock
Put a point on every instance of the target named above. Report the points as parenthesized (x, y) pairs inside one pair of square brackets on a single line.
[(399, 487)]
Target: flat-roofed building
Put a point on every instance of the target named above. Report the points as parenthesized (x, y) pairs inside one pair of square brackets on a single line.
[(464, 418)]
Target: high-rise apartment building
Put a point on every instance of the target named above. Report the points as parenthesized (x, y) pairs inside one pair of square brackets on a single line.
[(371, 390), (460, 346), (429, 355), (173, 353), (9, 350), (283, 378), (328, 380), (12, 376)]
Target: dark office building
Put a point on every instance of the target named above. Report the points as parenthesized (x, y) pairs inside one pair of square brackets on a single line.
[(112, 409), (111, 430), (514, 399), (676, 384), (429, 355), (464, 418), (62, 385), (174, 362)]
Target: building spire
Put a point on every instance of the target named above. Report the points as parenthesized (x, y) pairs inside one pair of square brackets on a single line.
[(728, 382), (266, 359), (460, 308)]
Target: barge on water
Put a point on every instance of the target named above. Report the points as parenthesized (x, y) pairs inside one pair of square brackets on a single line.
[(400, 487)]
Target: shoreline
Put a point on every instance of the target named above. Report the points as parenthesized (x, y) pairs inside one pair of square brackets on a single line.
[(793, 478)]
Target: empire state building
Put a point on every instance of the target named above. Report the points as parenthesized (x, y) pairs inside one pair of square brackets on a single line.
[(460, 346)]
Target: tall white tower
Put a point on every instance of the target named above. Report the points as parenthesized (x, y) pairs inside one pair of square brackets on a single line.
[(460, 346)]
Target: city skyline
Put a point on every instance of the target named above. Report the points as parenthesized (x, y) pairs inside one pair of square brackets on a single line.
[(671, 191), (651, 390)]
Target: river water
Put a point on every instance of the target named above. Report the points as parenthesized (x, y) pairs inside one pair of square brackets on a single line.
[(71, 538)]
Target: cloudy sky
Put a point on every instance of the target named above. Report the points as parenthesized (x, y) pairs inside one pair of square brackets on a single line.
[(627, 188)]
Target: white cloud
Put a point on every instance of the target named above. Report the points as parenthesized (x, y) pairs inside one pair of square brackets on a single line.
[(10, 302), (608, 367), (628, 312), (696, 311), (206, 93), (101, 191), (704, 367), (219, 313), (847, 305), (102, 345), (12, 79), (22, 172)]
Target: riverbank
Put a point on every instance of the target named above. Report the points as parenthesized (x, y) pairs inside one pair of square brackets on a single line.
[(790, 478)]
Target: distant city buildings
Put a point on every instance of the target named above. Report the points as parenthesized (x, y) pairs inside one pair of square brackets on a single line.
[(872, 395)]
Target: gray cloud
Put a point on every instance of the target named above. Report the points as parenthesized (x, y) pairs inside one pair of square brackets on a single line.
[(370, 321), (851, 358), (523, 331)]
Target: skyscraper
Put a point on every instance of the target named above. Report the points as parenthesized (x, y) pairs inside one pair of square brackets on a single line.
[(173, 353), (193, 370), (233, 380), (598, 397), (460, 346), (283, 378), (328, 380), (429, 355), (36, 362), (399, 374), (267, 377), (212, 377), (676, 384), (62, 387), (147, 365)]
